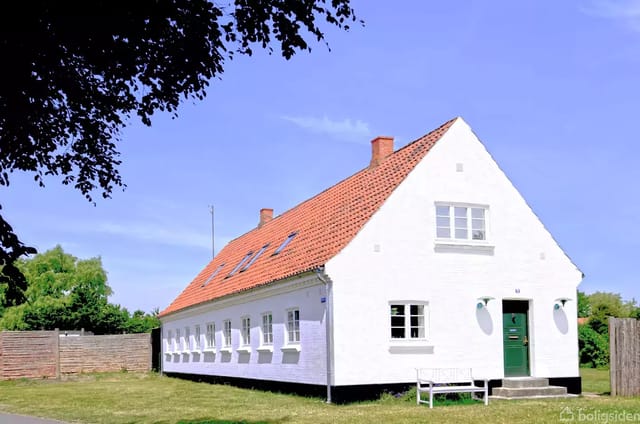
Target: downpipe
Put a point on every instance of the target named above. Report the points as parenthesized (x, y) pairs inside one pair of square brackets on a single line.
[(324, 278)]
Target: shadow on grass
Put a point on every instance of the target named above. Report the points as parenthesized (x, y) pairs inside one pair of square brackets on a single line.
[(214, 421), (599, 393)]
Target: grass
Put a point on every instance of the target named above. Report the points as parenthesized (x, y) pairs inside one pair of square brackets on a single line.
[(595, 380), (149, 398)]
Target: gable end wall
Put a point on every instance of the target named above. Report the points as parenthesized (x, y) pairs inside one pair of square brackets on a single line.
[(395, 257)]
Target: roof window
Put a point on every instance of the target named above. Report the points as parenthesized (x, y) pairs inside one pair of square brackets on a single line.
[(212, 275), (257, 255), (285, 243), (245, 259)]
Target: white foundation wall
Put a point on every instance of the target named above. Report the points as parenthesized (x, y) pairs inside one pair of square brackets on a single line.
[(395, 257), (306, 366)]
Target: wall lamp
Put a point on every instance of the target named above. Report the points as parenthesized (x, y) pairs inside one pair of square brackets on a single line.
[(562, 300), (485, 300)]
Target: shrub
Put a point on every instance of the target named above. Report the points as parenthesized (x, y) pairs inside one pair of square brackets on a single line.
[(440, 398), (410, 395), (594, 347)]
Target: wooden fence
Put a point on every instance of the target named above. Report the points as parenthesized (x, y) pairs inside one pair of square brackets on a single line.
[(47, 354), (624, 335)]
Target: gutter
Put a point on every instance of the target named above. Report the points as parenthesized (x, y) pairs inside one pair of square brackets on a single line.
[(324, 278)]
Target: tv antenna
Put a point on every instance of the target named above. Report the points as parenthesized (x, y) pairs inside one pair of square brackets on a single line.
[(213, 245)]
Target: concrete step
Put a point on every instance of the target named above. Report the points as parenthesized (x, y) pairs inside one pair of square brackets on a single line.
[(522, 382), (526, 392), (567, 396)]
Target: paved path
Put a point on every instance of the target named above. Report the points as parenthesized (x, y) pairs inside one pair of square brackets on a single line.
[(23, 419)]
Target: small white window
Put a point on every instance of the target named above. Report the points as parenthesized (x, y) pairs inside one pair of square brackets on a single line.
[(187, 338), (246, 332), (178, 340), (461, 222), (196, 337), (211, 335), (227, 333), (267, 329), (409, 320), (293, 326)]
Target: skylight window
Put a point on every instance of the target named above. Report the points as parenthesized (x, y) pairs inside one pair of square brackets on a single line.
[(285, 243), (242, 262), (212, 275), (257, 255)]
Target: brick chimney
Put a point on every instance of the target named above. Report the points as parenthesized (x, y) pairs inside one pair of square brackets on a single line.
[(381, 147), (266, 215)]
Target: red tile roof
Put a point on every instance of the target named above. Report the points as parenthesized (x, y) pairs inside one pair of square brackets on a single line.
[(325, 224)]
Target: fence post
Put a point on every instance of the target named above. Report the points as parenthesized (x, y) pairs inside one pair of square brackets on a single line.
[(624, 356), (613, 358), (56, 334), (1, 355)]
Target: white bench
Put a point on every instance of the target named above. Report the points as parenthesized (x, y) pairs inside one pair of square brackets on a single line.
[(448, 380)]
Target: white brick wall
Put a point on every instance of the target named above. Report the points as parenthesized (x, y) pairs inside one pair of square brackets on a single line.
[(306, 366)]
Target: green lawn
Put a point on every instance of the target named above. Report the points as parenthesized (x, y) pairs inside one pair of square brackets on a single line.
[(149, 398), (595, 381)]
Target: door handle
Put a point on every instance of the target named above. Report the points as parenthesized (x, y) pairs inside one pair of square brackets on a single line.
[(525, 341)]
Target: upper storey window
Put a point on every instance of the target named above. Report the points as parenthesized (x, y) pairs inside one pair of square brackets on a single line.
[(461, 222)]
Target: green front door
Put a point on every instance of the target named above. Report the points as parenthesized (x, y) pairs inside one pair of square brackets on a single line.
[(516, 338)]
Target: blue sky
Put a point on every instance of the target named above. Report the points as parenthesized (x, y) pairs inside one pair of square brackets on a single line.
[(551, 88)]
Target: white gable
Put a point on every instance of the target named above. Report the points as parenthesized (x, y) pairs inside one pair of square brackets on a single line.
[(395, 257)]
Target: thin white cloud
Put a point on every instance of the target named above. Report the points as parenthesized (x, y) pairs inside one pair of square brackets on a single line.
[(171, 236), (627, 11), (347, 129), (156, 234)]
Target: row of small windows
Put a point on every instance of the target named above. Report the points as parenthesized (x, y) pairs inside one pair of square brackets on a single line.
[(185, 343), (407, 321), (250, 258)]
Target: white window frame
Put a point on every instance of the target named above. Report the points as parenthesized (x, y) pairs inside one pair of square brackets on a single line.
[(292, 333), (409, 324), (266, 332), (174, 342), (196, 338), (187, 339), (210, 342), (226, 334), (245, 331), (169, 341), (245, 334), (178, 340), (267, 328), (470, 220)]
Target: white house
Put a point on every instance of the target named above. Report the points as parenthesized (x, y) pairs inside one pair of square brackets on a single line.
[(428, 257)]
